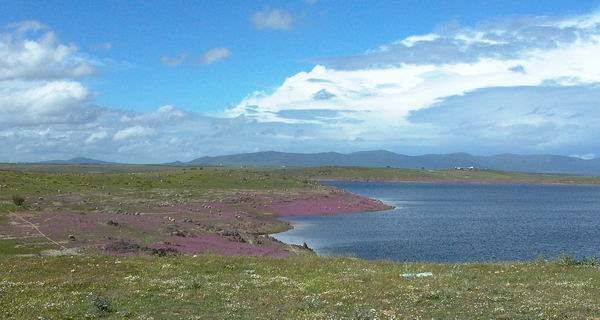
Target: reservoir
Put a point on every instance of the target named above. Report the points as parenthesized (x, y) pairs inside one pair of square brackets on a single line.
[(458, 223)]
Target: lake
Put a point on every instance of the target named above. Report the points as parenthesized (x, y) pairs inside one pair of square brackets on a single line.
[(458, 223)]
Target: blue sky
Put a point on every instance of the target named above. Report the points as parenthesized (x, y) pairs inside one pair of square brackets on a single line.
[(239, 76), (141, 32)]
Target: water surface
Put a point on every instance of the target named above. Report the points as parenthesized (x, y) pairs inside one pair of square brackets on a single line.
[(459, 223)]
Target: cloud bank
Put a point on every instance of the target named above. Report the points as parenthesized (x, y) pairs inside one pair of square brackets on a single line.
[(459, 78), (524, 85)]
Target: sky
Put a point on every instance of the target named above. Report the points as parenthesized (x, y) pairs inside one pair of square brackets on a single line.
[(161, 81)]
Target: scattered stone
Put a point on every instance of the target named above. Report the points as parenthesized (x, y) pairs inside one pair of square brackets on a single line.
[(232, 235), (161, 252), (122, 246), (62, 252), (417, 275), (179, 233), (112, 223)]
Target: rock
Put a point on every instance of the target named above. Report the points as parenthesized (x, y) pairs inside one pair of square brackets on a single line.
[(122, 246), (71, 237), (417, 275), (161, 252), (232, 235), (112, 223), (179, 233)]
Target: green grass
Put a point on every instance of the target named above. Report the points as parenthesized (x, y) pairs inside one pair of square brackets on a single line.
[(87, 168), (165, 184), (5, 208), (211, 287), (392, 174), (19, 247)]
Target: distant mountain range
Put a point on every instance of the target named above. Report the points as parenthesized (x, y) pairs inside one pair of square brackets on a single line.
[(77, 160), (382, 158)]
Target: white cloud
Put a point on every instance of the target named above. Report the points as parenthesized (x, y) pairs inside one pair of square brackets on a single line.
[(96, 136), (165, 114), (38, 78), (215, 54), (43, 102), (376, 93), (39, 58), (26, 26), (464, 90), (133, 133), (275, 19), (172, 61), (587, 156)]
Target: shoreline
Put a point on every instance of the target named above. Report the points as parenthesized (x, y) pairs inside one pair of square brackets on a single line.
[(336, 202), (378, 206), (483, 182), (237, 224)]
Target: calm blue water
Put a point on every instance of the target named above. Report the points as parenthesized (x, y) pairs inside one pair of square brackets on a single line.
[(459, 223)]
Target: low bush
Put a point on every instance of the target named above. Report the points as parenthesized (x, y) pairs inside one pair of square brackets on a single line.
[(567, 260), (18, 200), (101, 305)]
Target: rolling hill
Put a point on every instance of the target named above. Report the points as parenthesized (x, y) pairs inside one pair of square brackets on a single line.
[(382, 158), (76, 160)]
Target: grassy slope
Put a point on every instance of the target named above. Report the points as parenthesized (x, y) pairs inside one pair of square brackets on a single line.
[(181, 179), (167, 184), (75, 189), (87, 168), (392, 174), (210, 287)]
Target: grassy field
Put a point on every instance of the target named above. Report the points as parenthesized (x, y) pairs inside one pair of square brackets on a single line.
[(450, 175), (212, 287), (170, 183), (25, 181), (87, 168), (87, 201)]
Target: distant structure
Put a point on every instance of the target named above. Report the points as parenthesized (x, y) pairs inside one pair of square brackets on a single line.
[(471, 168)]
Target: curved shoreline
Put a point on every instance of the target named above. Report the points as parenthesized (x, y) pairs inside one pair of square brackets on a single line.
[(369, 205)]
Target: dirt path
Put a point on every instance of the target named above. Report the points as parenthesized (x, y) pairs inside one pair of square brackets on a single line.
[(36, 229)]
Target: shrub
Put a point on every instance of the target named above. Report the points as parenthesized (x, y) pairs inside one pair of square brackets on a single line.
[(540, 259), (18, 200), (590, 261), (567, 260), (101, 304)]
